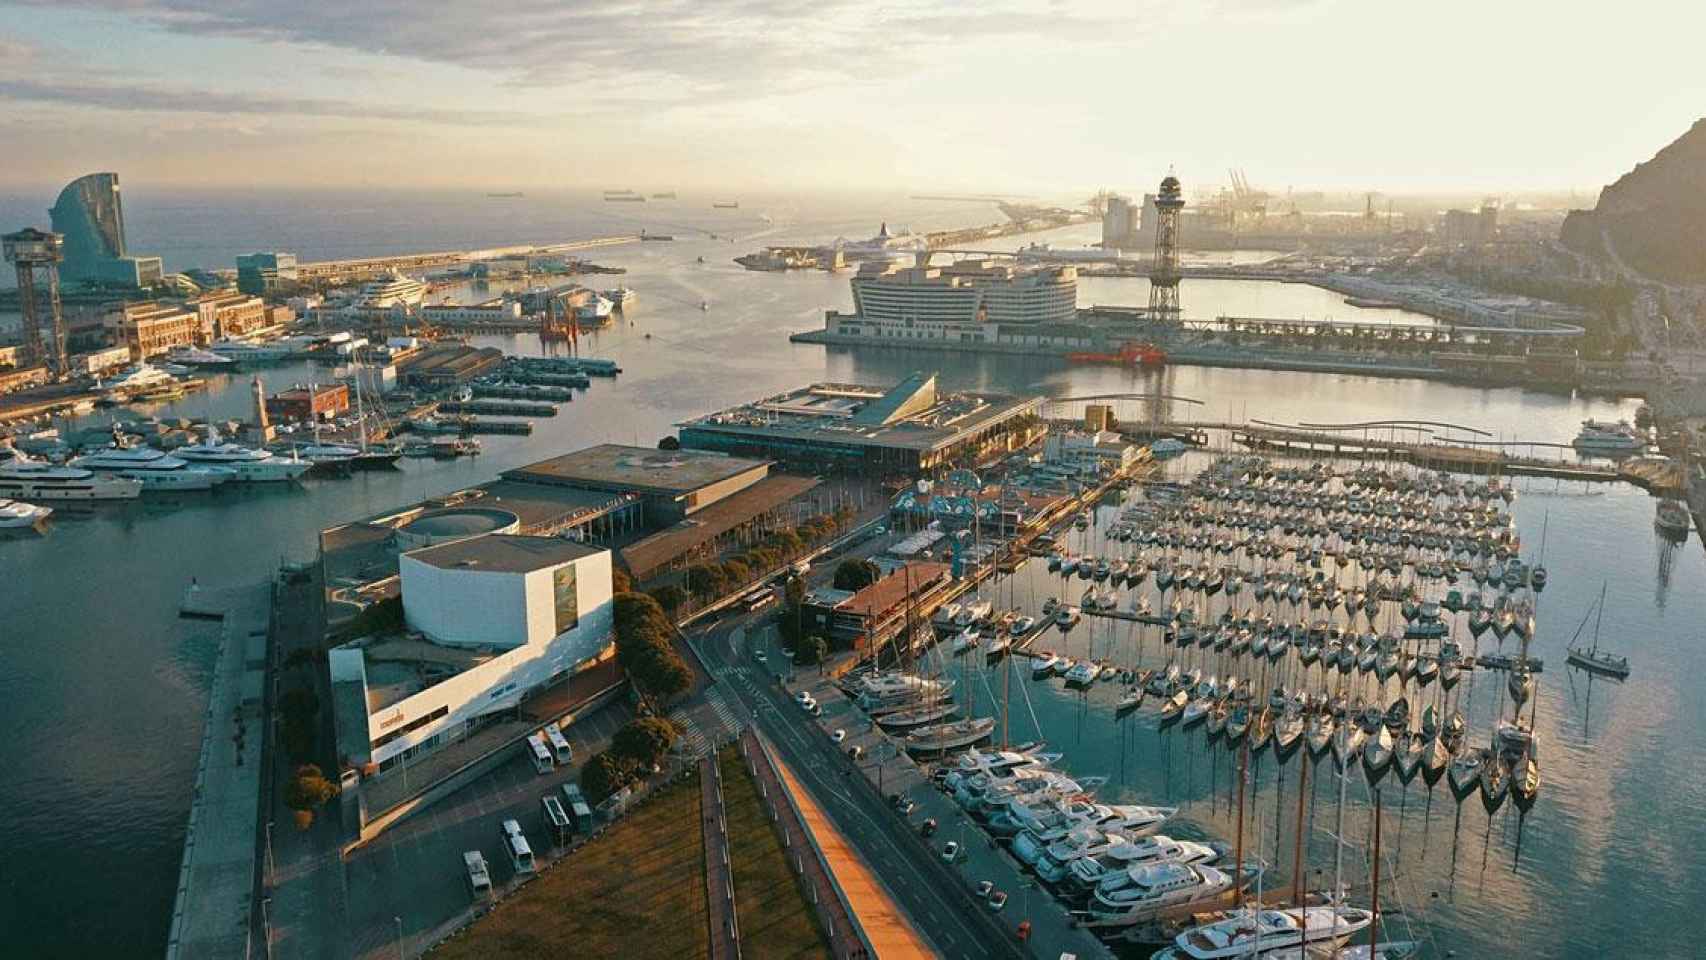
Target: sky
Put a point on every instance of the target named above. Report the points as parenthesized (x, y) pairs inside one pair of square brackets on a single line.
[(1043, 98)]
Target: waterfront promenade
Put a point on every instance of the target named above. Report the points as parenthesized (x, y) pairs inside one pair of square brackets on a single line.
[(215, 902)]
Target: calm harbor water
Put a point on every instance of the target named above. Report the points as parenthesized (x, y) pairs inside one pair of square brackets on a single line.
[(104, 688)]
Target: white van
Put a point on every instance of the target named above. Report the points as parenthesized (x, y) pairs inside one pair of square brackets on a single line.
[(540, 754), (515, 844), (479, 878), (555, 817), (564, 753)]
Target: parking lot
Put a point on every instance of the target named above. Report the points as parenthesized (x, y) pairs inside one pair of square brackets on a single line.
[(413, 873)]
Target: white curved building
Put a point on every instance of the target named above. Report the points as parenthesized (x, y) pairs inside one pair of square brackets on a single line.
[(965, 302)]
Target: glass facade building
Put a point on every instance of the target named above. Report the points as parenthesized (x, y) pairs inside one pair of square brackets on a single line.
[(90, 214)]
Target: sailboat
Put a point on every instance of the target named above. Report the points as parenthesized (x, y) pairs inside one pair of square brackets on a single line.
[(1591, 659)]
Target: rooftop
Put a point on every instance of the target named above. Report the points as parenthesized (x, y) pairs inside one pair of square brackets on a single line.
[(640, 469), (502, 553), (913, 414), (891, 591), (647, 555)]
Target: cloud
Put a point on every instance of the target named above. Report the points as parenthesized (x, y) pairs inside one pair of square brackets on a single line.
[(131, 97), (688, 48)]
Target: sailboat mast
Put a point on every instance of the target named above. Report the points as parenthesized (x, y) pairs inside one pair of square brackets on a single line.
[(1374, 907), (1297, 853)]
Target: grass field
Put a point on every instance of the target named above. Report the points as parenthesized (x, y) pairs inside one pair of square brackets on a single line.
[(776, 919), (637, 892)]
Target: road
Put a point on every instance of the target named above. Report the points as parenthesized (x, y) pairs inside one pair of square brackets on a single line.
[(935, 898)]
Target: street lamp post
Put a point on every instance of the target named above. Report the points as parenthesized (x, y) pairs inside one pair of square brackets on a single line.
[(270, 867), (400, 954)]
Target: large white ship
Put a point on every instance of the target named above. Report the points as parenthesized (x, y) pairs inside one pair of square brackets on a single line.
[(25, 479), (391, 290)]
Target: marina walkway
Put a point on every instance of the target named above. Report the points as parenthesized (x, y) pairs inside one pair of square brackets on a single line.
[(216, 880), (719, 879), (844, 886)]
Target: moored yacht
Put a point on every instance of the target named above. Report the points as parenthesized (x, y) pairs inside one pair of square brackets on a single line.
[(154, 468), (1158, 887), (26, 479), (248, 464), (17, 515), (1260, 931)]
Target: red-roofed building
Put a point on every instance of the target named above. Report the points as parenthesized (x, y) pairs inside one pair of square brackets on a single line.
[(878, 612)]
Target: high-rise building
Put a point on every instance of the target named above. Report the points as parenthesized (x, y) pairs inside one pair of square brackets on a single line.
[(90, 214), (263, 273), (1120, 222)]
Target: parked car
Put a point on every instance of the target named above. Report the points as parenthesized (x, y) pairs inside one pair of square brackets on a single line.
[(907, 806), (985, 888), (838, 736), (856, 751), (927, 828), (950, 851), (997, 900)]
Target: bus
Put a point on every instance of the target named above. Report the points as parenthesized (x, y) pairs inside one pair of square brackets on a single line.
[(540, 754), (580, 813), (758, 599), (560, 748), (479, 878), (515, 844), (555, 818)]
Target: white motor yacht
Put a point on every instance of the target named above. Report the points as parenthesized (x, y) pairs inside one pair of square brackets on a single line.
[(17, 515), (1260, 931), (1155, 888), (248, 464), (24, 478), (154, 468), (1115, 867), (1598, 437), (188, 356)]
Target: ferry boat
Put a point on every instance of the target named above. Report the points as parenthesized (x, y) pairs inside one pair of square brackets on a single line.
[(1608, 438), (1260, 931), (17, 515), (25, 479)]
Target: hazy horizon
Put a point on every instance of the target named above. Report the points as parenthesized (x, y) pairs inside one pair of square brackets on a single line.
[(1052, 100)]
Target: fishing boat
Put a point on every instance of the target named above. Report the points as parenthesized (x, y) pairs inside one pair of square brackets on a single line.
[(1671, 519)]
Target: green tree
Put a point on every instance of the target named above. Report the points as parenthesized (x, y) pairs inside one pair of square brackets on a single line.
[(308, 790), (298, 709), (620, 582), (705, 581), (670, 597), (645, 740), (669, 443), (851, 574), (603, 774)]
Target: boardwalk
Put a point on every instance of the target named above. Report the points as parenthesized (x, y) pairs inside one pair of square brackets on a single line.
[(719, 882)]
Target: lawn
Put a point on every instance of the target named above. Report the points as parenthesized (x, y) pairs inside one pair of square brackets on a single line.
[(776, 919), (637, 892)]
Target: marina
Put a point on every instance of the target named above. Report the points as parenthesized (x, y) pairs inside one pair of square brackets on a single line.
[(1491, 873)]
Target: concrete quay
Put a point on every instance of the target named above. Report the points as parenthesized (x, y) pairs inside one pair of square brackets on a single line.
[(213, 913)]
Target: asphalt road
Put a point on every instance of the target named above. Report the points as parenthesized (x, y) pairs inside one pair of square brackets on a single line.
[(934, 897)]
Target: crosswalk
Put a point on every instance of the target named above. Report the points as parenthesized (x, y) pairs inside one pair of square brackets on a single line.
[(705, 724)]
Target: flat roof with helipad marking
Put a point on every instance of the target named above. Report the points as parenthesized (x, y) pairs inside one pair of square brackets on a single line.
[(502, 553), (641, 469)]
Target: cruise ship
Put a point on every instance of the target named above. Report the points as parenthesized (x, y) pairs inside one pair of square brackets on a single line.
[(22, 478), (391, 290), (241, 351)]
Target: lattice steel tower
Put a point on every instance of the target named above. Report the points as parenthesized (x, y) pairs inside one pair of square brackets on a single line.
[(1164, 274), (32, 250)]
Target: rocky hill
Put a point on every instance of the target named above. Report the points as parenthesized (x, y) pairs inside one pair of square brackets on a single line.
[(1654, 216)]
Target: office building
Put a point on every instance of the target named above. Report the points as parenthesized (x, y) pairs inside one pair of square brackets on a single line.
[(90, 214), (320, 401), (263, 274), (490, 620), (150, 329), (1120, 222), (226, 315), (906, 429)]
